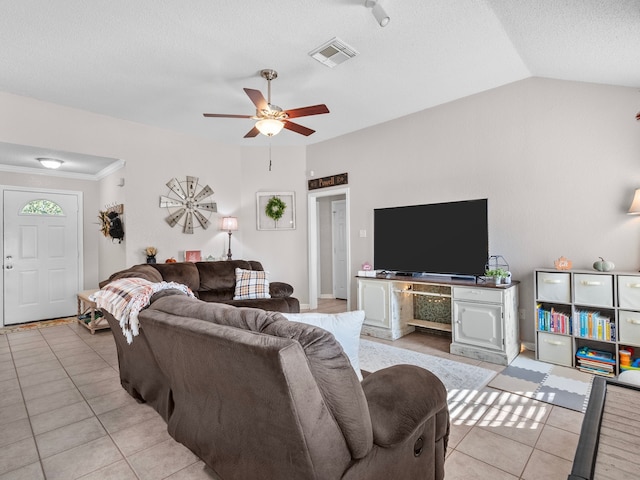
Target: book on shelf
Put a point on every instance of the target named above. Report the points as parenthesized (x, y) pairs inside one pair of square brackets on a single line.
[(606, 367), (596, 371), (551, 320), (592, 324)]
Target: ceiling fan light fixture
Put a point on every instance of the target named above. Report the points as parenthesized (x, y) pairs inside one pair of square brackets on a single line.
[(269, 126), (52, 163)]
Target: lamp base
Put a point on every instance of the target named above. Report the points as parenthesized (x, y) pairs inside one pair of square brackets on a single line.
[(229, 251)]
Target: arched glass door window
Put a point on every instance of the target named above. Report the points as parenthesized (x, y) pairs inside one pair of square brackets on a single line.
[(42, 207)]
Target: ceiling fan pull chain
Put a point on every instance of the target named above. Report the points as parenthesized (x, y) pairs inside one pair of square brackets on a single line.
[(269, 154)]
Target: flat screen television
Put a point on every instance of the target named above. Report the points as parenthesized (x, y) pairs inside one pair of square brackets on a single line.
[(449, 238)]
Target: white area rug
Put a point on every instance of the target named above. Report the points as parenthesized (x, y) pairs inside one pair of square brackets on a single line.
[(455, 376)]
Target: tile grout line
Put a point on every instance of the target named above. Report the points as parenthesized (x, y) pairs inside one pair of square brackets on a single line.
[(24, 402), (107, 433)]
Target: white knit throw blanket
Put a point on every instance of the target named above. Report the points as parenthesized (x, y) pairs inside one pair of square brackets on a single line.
[(126, 297)]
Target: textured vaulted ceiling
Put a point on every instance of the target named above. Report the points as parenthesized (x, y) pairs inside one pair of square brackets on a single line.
[(165, 62)]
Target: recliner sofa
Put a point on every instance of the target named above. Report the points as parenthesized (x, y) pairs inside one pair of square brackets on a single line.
[(256, 396), (213, 282)]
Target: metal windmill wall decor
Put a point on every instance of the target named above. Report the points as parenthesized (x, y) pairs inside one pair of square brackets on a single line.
[(184, 201)]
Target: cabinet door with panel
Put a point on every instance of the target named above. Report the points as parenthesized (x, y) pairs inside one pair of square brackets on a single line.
[(374, 298), (478, 324)]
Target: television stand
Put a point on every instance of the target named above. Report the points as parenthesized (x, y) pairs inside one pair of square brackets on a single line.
[(482, 318)]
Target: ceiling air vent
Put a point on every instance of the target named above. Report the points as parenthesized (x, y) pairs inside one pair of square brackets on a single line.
[(333, 53)]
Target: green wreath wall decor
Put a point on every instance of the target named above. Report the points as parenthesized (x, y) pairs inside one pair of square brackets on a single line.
[(275, 208)]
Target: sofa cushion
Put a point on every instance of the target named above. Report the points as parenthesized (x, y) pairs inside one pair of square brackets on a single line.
[(345, 327), (280, 289), (251, 284), (147, 272), (185, 273), (218, 279), (329, 364)]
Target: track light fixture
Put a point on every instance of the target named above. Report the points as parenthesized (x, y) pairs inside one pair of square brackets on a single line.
[(378, 12)]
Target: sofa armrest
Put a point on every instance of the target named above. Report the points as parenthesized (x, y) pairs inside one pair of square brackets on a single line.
[(400, 399), (280, 289)]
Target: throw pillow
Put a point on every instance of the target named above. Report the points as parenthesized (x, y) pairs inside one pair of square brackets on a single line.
[(251, 284), (345, 327)]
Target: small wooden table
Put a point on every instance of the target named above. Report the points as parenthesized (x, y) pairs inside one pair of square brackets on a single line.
[(85, 304)]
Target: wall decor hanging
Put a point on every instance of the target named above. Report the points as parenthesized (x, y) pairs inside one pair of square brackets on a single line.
[(330, 181), (111, 222), (186, 200), (276, 211)]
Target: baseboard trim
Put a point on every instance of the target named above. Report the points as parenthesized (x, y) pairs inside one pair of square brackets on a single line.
[(328, 296)]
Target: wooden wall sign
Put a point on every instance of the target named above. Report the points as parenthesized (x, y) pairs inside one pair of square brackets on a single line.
[(331, 181)]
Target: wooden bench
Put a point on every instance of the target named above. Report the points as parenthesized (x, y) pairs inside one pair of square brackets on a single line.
[(86, 305)]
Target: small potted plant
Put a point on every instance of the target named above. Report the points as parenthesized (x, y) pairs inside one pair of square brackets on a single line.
[(498, 275)]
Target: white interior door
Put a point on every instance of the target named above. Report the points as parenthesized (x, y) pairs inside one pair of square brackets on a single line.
[(339, 236), (40, 255)]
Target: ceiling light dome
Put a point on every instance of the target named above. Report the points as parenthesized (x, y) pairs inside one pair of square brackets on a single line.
[(52, 163), (269, 126)]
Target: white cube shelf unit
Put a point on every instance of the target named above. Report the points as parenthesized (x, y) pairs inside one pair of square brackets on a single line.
[(586, 308)]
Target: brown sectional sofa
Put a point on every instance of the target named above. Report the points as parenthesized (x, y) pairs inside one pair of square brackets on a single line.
[(214, 282), (259, 397)]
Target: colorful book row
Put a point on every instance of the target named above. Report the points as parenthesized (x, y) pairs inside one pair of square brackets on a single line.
[(553, 321), (589, 324)]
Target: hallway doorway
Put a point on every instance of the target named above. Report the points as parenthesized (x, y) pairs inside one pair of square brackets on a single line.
[(329, 249)]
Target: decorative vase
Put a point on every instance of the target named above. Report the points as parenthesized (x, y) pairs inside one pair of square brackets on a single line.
[(151, 259)]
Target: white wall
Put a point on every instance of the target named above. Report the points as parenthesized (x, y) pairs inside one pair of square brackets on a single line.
[(153, 156), (282, 252), (112, 255), (557, 160)]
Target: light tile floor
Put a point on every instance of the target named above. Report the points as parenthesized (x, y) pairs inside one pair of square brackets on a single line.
[(64, 415)]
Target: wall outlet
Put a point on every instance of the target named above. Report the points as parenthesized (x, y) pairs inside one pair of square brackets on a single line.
[(363, 233)]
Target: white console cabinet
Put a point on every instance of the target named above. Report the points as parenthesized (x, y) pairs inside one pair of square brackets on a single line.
[(482, 318)]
